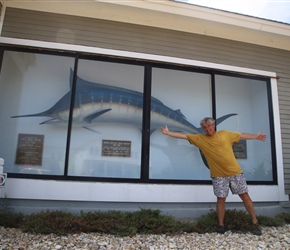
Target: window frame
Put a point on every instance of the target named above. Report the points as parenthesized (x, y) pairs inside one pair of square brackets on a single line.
[(149, 62)]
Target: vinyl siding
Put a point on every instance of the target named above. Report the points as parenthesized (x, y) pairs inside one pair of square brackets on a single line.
[(42, 26)]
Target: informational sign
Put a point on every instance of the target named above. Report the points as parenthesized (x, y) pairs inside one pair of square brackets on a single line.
[(29, 149), (3, 177), (116, 148), (240, 149)]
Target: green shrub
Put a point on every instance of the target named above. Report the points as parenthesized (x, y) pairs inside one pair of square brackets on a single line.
[(147, 221), (284, 217), (104, 222), (207, 223), (238, 221), (7, 217), (57, 222), (235, 220), (144, 221), (11, 219), (270, 221)]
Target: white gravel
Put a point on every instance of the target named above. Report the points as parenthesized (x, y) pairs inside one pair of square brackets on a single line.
[(275, 238)]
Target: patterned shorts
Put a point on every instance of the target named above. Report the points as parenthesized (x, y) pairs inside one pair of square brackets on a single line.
[(237, 184)]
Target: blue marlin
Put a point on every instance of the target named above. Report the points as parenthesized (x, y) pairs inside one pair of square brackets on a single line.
[(100, 103)]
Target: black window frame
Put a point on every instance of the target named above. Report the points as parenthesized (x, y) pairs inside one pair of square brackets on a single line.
[(148, 65)]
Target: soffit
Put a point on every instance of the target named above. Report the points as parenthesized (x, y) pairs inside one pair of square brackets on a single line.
[(171, 15)]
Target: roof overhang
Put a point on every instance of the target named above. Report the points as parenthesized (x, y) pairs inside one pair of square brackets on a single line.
[(172, 15)]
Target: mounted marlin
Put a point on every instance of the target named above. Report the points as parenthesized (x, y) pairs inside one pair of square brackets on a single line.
[(100, 103)]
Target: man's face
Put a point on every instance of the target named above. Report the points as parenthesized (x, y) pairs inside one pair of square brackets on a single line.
[(209, 129)]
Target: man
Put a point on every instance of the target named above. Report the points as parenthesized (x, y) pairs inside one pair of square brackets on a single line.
[(224, 168)]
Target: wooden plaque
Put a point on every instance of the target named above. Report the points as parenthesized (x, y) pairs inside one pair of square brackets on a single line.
[(29, 149)]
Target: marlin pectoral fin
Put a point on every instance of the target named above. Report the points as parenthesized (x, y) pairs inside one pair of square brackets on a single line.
[(92, 130), (89, 118), (48, 121)]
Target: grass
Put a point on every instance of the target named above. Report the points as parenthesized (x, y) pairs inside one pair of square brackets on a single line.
[(144, 221)]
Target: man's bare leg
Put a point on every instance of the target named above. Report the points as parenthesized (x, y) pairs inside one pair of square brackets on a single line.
[(249, 206), (220, 208)]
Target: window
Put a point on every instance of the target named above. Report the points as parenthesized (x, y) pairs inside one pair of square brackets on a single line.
[(31, 85), (75, 116), (248, 99), (107, 124), (186, 99)]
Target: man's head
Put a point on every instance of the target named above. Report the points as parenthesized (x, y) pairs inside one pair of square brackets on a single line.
[(208, 125)]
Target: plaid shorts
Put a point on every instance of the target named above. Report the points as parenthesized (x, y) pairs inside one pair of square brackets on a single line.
[(237, 184)]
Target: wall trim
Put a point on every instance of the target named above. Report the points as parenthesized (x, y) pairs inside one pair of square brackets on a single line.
[(136, 55)]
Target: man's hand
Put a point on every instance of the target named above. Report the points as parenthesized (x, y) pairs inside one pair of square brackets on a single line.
[(261, 137), (178, 135), (164, 130)]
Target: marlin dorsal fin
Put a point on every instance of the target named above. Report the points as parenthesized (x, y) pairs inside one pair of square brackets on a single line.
[(180, 113)]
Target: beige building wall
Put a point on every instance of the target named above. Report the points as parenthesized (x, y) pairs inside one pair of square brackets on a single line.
[(77, 30)]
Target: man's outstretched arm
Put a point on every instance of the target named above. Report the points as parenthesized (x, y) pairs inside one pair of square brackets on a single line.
[(178, 135), (259, 136)]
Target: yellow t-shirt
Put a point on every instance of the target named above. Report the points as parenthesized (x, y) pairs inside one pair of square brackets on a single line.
[(218, 152)]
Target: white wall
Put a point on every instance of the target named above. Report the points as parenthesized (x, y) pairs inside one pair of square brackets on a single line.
[(125, 192)]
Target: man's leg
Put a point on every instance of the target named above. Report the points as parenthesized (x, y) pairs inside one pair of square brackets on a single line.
[(220, 208), (256, 230), (221, 190), (249, 206)]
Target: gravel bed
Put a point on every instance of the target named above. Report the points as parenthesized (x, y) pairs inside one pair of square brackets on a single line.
[(275, 238)]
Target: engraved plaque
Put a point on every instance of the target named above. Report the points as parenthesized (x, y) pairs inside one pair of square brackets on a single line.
[(116, 148), (240, 149), (29, 149)]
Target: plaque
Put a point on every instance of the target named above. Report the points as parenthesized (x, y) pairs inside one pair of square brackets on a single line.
[(29, 149), (116, 148), (240, 149)]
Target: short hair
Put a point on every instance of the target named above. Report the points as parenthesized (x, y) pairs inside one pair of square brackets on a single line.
[(207, 120)]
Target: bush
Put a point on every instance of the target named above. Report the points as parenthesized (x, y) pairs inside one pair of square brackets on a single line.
[(207, 223), (57, 222), (284, 217), (7, 217), (11, 219), (144, 221)]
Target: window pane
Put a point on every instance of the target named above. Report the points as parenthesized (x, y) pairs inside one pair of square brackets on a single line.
[(248, 99), (107, 125), (33, 84), (181, 100)]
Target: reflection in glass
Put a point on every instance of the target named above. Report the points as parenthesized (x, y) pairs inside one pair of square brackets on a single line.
[(107, 120), (34, 136), (247, 98)]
